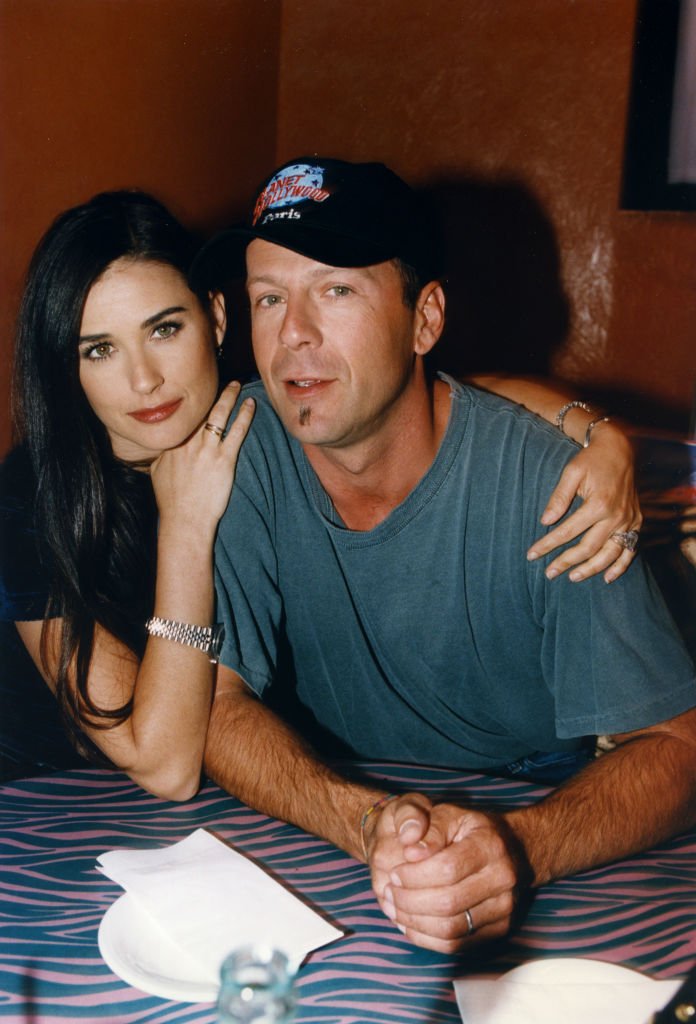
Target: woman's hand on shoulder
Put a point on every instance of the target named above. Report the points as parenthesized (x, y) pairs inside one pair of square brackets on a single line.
[(193, 482), (603, 476)]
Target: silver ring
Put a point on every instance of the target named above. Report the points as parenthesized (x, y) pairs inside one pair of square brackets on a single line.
[(627, 539), (470, 928), (214, 429)]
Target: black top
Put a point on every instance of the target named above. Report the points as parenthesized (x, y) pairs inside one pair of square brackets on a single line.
[(32, 736), (24, 579)]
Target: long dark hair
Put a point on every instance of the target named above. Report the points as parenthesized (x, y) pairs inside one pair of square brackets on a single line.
[(94, 515)]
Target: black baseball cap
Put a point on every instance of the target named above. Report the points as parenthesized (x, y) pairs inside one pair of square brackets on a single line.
[(333, 211)]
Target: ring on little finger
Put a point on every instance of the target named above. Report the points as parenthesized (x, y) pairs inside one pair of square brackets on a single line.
[(214, 429), (627, 539), (470, 927)]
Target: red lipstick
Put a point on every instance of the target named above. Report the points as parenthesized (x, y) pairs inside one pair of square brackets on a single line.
[(157, 413)]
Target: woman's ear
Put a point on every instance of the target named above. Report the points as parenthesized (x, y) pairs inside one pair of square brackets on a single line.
[(218, 313), (429, 317)]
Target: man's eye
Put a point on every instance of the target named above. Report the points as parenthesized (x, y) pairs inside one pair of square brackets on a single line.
[(340, 290)]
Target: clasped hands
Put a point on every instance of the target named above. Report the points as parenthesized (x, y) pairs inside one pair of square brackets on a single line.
[(431, 864)]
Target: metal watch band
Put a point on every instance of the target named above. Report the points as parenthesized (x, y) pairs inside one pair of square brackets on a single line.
[(204, 638)]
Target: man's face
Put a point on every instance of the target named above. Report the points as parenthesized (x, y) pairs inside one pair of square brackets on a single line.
[(334, 346)]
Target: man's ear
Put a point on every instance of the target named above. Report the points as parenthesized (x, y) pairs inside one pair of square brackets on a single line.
[(218, 313), (429, 317)]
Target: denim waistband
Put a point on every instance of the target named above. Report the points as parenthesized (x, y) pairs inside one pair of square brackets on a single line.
[(550, 768)]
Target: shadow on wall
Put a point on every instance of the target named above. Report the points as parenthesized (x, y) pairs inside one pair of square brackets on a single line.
[(507, 310), (237, 361), (506, 307)]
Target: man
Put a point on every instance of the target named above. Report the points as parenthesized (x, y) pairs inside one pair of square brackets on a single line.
[(373, 585)]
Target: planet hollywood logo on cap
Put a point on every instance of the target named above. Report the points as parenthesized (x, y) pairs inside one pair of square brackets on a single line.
[(291, 185)]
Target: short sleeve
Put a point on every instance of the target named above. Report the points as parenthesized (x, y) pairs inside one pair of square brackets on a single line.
[(615, 650), (249, 604)]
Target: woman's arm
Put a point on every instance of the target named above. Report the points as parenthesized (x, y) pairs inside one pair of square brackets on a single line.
[(161, 743), (601, 474)]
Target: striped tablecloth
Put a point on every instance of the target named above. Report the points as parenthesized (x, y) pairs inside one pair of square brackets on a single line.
[(640, 912)]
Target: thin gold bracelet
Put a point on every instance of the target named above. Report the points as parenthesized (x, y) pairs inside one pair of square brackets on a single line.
[(370, 810)]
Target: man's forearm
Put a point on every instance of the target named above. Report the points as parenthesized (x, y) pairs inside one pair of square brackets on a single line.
[(638, 795), (466, 868), (254, 755)]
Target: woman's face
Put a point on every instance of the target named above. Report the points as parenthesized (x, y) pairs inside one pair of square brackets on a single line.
[(147, 357)]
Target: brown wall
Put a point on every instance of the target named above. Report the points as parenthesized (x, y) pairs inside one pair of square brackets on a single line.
[(516, 112), (512, 113), (164, 95)]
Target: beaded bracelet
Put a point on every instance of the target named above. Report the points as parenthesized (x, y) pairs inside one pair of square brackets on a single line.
[(370, 810), (566, 409)]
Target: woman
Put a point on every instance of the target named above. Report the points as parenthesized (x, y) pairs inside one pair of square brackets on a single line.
[(114, 382), (122, 476)]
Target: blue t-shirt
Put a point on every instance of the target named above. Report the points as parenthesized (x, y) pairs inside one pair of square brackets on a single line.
[(430, 638)]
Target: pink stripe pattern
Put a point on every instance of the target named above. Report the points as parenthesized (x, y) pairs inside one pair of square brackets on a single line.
[(639, 912)]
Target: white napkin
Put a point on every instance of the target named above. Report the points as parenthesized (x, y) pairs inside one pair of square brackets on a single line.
[(208, 900), (566, 989)]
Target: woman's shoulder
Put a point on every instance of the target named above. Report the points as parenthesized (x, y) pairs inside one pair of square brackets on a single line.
[(16, 479), (23, 577)]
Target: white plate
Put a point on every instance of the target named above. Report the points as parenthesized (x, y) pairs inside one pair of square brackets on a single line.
[(570, 989), (572, 970), (142, 954)]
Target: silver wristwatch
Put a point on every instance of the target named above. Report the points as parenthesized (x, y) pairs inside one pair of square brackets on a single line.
[(204, 638)]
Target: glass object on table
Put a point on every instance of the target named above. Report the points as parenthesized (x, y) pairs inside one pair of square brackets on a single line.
[(256, 987)]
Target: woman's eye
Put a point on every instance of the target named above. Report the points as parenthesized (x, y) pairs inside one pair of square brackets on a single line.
[(268, 300), (166, 330), (102, 350)]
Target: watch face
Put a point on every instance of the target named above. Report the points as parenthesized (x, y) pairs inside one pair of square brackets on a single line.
[(216, 639)]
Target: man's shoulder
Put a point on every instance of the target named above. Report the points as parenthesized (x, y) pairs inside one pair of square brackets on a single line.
[(270, 459), (512, 424), (255, 389), (266, 426)]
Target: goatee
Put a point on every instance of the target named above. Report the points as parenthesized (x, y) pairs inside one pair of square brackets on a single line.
[(305, 415)]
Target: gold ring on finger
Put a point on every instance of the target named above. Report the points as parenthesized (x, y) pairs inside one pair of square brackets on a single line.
[(214, 429)]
